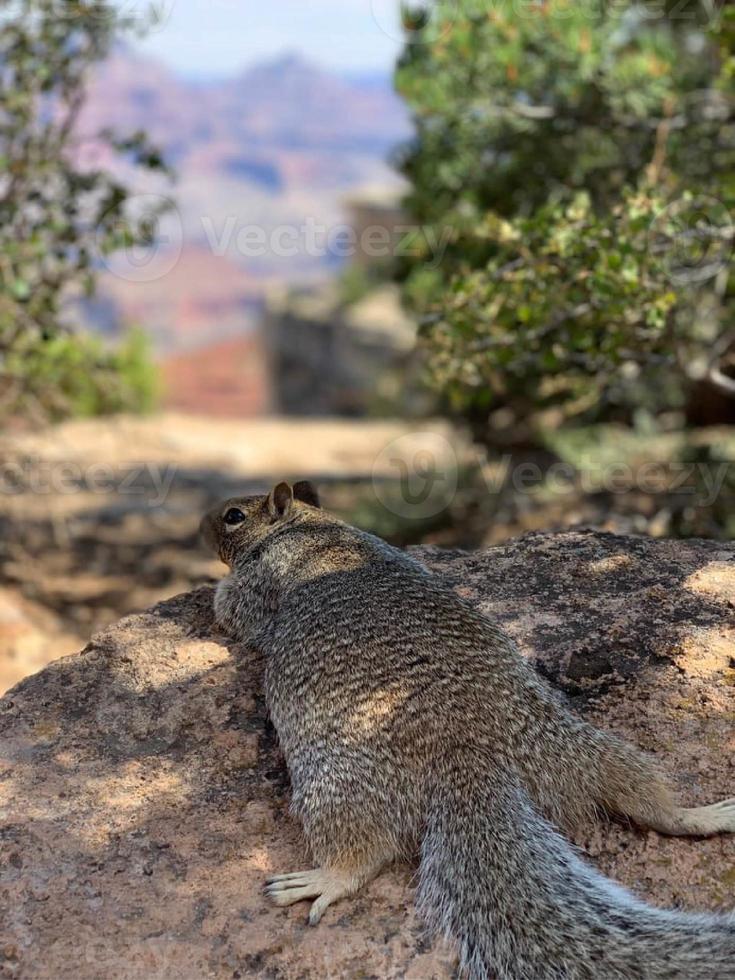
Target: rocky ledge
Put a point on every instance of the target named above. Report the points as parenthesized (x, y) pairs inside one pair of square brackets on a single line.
[(143, 799)]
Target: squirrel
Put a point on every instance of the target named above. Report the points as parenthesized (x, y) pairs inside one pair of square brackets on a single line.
[(410, 721)]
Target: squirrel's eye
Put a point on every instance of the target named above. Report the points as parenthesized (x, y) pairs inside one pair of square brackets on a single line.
[(234, 516)]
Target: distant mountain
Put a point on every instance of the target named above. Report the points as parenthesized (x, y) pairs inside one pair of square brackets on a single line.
[(277, 147), (284, 103)]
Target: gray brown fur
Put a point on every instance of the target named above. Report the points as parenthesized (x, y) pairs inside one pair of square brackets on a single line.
[(409, 721)]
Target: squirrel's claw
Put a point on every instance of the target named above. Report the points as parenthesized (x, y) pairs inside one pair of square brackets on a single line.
[(289, 888), (324, 885), (319, 907)]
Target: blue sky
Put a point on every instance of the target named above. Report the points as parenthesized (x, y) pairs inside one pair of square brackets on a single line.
[(218, 37)]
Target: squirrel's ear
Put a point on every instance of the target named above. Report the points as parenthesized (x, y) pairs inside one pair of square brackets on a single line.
[(307, 493), (280, 500)]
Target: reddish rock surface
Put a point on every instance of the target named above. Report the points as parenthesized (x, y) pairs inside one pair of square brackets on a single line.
[(30, 636), (228, 379), (143, 799)]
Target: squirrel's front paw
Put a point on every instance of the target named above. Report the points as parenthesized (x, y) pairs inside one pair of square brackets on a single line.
[(717, 818), (324, 885)]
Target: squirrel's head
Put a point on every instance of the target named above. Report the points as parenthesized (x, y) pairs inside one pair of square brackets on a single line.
[(237, 525)]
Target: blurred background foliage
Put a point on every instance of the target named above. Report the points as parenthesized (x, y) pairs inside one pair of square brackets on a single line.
[(60, 218), (577, 159), (582, 156)]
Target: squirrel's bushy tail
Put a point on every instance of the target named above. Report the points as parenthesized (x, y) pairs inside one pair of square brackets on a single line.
[(497, 877)]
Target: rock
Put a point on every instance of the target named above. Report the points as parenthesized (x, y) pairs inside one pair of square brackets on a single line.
[(591, 609), (143, 799), (30, 636)]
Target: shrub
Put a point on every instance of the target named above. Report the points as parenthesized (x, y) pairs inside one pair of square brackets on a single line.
[(58, 218), (582, 156)]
